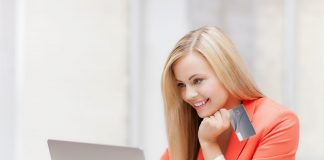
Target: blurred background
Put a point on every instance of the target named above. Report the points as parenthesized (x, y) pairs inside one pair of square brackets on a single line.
[(89, 70)]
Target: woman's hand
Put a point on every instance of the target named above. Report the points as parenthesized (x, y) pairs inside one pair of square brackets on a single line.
[(209, 130), (213, 126)]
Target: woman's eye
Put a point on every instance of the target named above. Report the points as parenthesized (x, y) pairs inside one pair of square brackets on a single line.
[(181, 85), (197, 81)]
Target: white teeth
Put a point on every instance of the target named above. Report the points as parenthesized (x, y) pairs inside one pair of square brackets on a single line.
[(200, 103)]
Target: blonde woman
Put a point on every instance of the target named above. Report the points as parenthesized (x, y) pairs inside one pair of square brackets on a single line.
[(203, 78)]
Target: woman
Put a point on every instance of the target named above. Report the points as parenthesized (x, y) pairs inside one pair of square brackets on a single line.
[(203, 78)]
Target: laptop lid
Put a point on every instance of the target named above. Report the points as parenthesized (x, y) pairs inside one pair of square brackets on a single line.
[(68, 150)]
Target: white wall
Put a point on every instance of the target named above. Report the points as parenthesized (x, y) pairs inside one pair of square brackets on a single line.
[(7, 78), (311, 78), (74, 74), (164, 22)]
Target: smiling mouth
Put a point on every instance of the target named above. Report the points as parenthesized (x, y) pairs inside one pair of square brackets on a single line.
[(201, 105)]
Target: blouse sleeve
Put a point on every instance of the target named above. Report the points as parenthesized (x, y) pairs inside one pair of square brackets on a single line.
[(280, 140)]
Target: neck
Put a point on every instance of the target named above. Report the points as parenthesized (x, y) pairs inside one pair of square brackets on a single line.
[(232, 102)]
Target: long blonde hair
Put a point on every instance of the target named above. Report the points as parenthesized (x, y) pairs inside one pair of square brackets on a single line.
[(182, 120)]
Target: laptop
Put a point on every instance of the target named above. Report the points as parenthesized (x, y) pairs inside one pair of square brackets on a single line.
[(68, 150)]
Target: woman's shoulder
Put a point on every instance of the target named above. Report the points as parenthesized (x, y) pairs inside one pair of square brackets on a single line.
[(165, 155), (277, 129), (268, 113), (270, 107)]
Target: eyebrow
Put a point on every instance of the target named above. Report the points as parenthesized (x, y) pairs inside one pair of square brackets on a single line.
[(194, 75)]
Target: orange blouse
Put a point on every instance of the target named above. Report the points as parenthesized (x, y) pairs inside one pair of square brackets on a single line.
[(277, 134)]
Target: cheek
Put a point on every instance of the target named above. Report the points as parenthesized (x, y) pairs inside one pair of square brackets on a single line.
[(183, 95), (217, 91), (209, 91)]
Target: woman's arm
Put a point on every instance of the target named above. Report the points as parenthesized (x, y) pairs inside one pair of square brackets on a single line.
[(209, 131)]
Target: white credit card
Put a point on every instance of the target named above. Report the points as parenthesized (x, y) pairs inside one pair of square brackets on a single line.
[(241, 123)]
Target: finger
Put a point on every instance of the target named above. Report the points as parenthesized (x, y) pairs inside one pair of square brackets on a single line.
[(225, 114), (218, 118), (205, 119)]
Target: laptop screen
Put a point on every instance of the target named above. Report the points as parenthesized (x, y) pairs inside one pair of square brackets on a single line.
[(68, 150)]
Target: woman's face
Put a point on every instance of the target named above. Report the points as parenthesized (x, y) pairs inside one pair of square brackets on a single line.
[(199, 86)]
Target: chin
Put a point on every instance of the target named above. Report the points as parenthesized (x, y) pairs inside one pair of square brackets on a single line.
[(204, 115)]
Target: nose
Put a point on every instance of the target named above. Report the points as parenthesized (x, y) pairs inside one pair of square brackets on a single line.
[(191, 93)]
